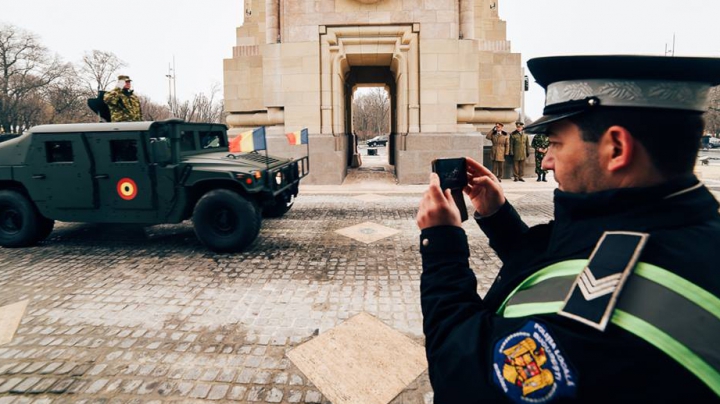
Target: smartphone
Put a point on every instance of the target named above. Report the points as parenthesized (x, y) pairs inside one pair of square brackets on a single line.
[(453, 176)]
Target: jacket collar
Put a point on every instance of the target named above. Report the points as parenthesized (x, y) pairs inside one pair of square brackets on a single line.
[(580, 219)]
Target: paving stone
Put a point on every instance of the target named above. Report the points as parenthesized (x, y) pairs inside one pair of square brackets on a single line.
[(25, 385), (136, 307), (256, 393), (313, 396), (51, 368), (10, 383), (200, 390), (274, 396), (18, 368), (96, 386), (237, 393), (218, 392), (226, 376), (295, 396), (184, 388), (61, 386)]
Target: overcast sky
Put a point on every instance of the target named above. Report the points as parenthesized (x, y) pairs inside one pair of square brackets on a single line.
[(200, 34)]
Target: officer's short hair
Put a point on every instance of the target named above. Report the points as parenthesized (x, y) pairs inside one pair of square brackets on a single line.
[(671, 137)]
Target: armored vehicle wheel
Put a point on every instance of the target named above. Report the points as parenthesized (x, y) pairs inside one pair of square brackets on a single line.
[(225, 221), (280, 208), (19, 220)]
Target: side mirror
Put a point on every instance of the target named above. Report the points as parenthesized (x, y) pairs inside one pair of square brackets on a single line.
[(161, 151)]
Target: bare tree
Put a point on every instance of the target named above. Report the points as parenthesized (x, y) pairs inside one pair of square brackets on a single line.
[(371, 112), (66, 100), (98, 69), (25, 67), (153, 111), (712, 117), (202, 108)]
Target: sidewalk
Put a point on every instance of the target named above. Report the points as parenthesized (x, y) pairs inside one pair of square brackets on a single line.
[(368, 181), (381, 179)]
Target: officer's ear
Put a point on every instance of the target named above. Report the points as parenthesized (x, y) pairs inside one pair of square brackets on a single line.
[(618, 148)]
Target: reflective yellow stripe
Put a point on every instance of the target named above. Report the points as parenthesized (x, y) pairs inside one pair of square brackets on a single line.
[(655, 336), (681, 286), (670, 346), (563, 268)]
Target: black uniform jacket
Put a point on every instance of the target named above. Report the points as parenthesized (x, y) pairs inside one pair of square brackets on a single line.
[(462, 330)]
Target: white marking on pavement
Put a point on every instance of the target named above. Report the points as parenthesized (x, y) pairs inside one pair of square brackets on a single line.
[(10, 317), (367, 232), (360, 361)]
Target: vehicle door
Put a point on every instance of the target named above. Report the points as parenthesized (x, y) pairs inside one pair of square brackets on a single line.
[(60, 172), (123, 178)]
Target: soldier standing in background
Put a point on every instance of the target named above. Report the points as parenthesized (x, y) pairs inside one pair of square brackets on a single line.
[(520, 149), (500, 148), (540, 143), (124, 105)]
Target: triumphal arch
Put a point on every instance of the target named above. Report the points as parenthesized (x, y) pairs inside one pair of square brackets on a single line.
[(446, 65)]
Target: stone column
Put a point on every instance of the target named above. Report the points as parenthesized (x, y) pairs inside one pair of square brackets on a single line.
[(272, 25), (467, 19), (413, 68)]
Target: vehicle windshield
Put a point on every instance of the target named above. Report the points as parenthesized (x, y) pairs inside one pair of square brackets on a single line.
[(203, 140), (211, 139)]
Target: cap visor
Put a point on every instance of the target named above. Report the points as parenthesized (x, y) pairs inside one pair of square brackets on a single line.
[(541, 124)]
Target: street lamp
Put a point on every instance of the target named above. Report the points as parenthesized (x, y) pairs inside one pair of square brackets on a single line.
[(172, 93)]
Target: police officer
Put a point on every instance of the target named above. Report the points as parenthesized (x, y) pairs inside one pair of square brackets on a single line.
[(616, 299), (124, 105)]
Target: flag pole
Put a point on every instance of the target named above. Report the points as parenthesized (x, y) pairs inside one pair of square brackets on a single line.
[(267, 159)]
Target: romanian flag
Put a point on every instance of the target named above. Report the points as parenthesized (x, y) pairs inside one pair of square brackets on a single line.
[(249, 141), (298, 137)]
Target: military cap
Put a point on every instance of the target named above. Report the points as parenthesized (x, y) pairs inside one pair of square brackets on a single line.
[(124, 78), (518, 123), (575, 84)]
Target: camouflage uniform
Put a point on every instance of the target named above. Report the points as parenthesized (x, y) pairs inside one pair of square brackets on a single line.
[(124, 105), (540, 141)]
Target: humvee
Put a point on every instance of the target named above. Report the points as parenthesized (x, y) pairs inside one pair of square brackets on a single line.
[(141, 172)]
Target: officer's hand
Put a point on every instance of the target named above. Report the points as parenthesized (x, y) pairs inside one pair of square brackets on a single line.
[(483, 189), (437, 208)]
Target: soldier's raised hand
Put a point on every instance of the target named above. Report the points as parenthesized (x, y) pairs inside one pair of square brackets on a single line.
[(483, 188)]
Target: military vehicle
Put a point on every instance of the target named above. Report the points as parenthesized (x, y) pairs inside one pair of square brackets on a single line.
[(141, 172)]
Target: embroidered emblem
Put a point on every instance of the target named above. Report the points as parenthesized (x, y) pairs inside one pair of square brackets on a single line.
[(530, 368), (593, 297)]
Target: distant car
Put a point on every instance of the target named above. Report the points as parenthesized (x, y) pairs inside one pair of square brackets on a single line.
[(714, 143), (377, 141)]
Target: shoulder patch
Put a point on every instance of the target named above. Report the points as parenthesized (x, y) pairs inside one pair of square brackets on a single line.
[(530, 368)]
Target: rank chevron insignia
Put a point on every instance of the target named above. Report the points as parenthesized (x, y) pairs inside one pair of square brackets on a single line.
[(592, 288)]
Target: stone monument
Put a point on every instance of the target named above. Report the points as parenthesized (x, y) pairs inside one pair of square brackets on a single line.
[(446, 65)]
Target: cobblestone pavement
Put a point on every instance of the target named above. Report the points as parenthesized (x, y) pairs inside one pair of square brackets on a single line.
[(122, 314)]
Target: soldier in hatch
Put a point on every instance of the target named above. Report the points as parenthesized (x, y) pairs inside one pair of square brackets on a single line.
[(124, 105)]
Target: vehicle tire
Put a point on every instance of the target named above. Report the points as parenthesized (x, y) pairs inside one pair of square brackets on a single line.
[(19, 220), (225, 221), (45, 227), (280, 208)]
